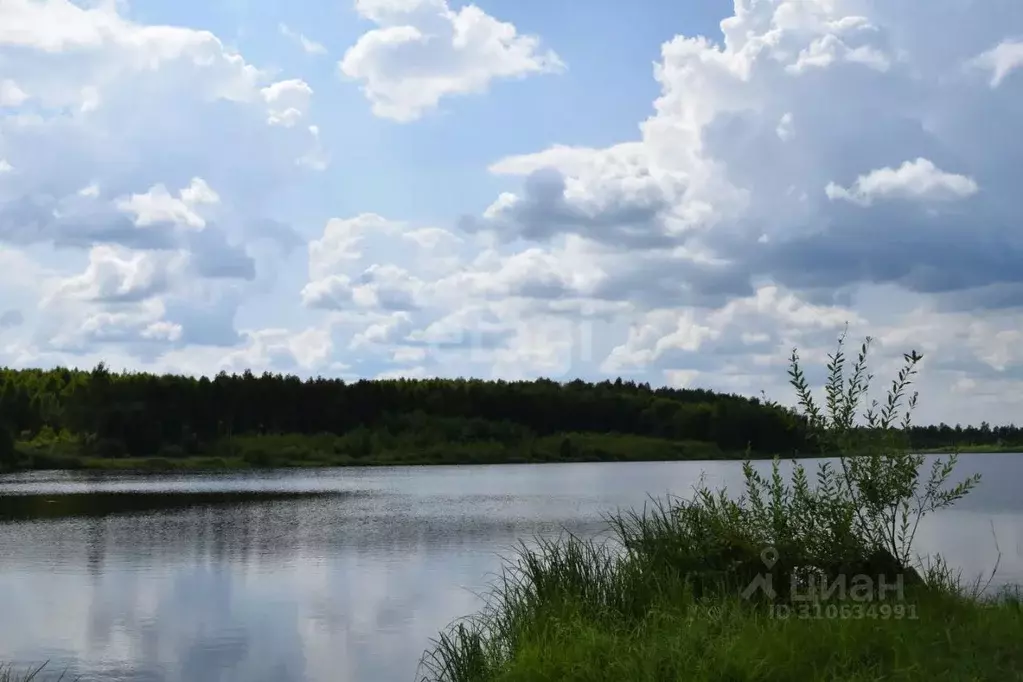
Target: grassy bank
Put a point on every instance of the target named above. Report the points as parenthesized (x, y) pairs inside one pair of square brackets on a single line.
[(663, 599), (326, 450), (302, 451), (575, 612), (786, 581)]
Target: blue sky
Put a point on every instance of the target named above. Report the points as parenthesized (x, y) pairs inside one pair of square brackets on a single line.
[(675, 192)]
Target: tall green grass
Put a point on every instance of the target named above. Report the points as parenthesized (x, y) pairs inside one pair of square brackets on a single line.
[(666, 596), (32, 674), (662, 600)]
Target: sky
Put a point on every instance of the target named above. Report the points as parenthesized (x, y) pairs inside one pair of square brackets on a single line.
[(675, 193)]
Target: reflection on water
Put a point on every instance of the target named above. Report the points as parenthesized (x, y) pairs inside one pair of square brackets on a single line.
[(53, 506), (329, 575)]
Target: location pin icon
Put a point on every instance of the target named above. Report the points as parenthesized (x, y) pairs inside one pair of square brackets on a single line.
[(769, 556)]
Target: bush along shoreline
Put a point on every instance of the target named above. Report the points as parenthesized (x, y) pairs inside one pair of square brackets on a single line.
[(812, 576)]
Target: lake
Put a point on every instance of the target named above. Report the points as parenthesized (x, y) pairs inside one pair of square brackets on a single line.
[(336, 574)]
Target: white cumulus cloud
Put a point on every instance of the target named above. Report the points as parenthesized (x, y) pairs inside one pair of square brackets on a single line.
[(424, 50), (915, 180), (157, 205), (287, 101)]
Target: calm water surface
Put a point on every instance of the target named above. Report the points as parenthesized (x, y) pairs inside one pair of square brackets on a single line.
[(340, 574)]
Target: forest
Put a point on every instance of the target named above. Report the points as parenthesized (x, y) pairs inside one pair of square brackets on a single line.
[(70, 418)]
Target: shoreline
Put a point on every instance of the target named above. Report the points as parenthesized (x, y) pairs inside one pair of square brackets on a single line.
[(206, 463)]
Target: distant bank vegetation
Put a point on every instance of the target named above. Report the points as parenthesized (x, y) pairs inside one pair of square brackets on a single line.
[(61, 418)]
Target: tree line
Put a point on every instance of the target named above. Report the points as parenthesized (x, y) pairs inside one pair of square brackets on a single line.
[(138, 414)]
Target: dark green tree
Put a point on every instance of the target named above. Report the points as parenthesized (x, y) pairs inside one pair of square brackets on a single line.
[(8, 455)]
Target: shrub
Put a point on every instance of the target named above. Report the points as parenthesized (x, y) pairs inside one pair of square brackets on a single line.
[(258, 457), (877, 493)]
